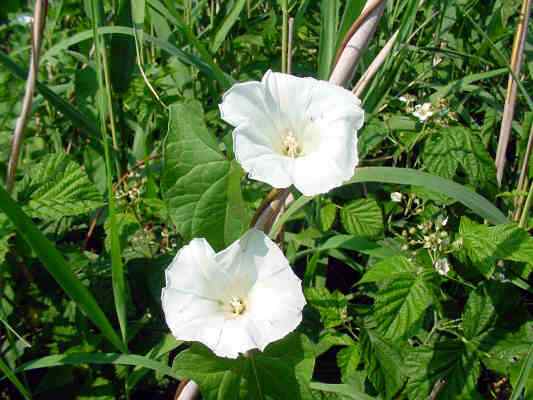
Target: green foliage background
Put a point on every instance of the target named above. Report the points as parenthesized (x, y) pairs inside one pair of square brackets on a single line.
[(125, 159)]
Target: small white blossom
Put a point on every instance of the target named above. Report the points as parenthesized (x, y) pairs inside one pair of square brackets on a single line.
[(239, 299), (423, 112), (442, 266), (294, 131), (23, 19), (396, 197)]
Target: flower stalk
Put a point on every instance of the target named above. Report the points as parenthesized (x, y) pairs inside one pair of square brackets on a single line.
[(39, 19)]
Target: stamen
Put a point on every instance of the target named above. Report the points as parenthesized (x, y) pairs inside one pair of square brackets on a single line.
[(290, 145), (237, 306)]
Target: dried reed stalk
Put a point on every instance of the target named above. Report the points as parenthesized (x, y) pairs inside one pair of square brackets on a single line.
[(39, 17), (356, 41), (510, 100)]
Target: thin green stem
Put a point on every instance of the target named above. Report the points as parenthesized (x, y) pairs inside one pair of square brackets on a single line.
[(284, 35), (527, 207), (117, 267)]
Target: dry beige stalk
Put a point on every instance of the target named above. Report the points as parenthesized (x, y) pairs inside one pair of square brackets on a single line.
[(510, 100), (39, 15), (361, 32), (363, 82)]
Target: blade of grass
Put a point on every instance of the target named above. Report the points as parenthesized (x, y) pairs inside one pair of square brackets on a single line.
[(230, 20), (56, 265), (525, 370), (14, 380), (98, 358), (406, 176), (207, 66), (328, 34), (117, 268)]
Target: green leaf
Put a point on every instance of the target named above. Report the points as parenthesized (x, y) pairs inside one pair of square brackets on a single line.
[(400, 304), (58, 267), (388, 269), (457, 146), (331, 306), (383, 363), (5, 234), (503, 346), (485, 305), (99, 358), (362, 217), (524, 375), (227, 24), (485, 245), (126, 224), (200, 186), (122, 62), (58, 187), (348, 359), (283, 370), (327, 216), (9, 374), (407, 176), (449, 361), (79, 119), (328, 34), (343, 389)]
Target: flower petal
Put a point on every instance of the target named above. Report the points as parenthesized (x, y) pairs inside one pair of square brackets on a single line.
[(194, 271), (193, 318), (293, 94), (331, 102), (256, 153), (234, 339), (275, 307), (249, 102)]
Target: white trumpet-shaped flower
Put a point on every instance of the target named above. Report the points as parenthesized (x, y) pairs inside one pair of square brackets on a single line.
[(239, 299), (294, 131)]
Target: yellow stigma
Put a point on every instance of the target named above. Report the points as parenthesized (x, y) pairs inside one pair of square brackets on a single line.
[(290, 145), (237, 306)]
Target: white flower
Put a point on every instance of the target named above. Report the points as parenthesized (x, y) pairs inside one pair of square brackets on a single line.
[(23, 19), (442, 266), (396, 197), (294, 131), (423, 112), (239, 299)]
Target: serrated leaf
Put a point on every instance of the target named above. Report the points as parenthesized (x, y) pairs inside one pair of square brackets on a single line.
[(450, 362), (485, 245), (5, 233), (331, 306), (200, 186), (362, 217), (348, 359), (504, 348), (58, 187), (485, 305), (283, 370), (401, 304), (458, 146), (389, 269), (383, 363)]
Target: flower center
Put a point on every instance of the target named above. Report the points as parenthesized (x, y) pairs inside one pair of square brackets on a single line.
[(237, 306), (290, 146)]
